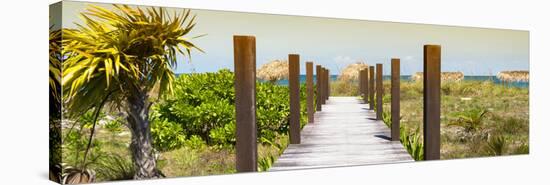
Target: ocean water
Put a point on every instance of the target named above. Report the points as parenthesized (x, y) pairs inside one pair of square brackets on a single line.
[(493, 79)]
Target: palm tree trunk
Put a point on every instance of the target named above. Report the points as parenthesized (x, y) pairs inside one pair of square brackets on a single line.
[(141, 144)]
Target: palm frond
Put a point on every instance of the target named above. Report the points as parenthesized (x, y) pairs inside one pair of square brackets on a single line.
[(122, 50)]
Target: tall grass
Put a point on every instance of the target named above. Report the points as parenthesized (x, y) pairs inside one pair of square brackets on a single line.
[(478, 118)]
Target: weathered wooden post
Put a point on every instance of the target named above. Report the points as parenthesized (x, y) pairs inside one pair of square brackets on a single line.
[(371, 87), (328, 83), (294, 87), (364, 81), (324, 82), (309, 87), (432, 101), (395, 93), (360, 92), (244, 53), (379, 92), (366, 85), (319, 102), (321, 86)]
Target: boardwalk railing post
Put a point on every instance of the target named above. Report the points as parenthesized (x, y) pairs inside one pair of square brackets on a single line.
[(395, 97), (294, 87), (361, 90), (324, 82), (244, 48), (432, 101), (371, 87), (379, 92), (309, 87), (328, 83), (318, 87), (365, 82)]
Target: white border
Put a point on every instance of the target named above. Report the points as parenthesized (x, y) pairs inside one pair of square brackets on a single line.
[(23, 132)]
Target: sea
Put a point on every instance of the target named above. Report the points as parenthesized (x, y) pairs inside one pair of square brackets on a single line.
[(493, 79)]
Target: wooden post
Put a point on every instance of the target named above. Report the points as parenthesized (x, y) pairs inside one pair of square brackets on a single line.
[(321, 86), (432, 101), (395, 93), (371, 87), (318, 87), (244, 48), (364, 82), (309, 87), (360, 92), (366, 85), (328, 83), (379, 92), (324, 82), (294, 87)]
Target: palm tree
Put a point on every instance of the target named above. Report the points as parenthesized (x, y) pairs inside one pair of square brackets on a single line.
[(117, 58), (55, 104)]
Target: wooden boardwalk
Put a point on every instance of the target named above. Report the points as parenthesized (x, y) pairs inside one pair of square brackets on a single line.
[(345, 133)]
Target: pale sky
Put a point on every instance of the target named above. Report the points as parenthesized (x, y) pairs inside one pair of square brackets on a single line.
[(335, 43)]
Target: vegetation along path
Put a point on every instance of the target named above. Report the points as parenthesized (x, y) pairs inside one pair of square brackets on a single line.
[(344, 133)]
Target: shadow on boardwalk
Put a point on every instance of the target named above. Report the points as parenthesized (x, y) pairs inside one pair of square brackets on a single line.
[(345, 133)]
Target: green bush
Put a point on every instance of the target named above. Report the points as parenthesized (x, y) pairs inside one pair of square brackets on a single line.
[(166, 135), (203, 105)]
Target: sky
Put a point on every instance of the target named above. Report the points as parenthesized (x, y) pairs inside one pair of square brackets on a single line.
[(336, 43)]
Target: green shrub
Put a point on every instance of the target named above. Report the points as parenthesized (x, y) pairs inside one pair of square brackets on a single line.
[(412, 142), (195, 142), (471, 120), (203, 105), (166, 135), (75, 142), (113, 126)]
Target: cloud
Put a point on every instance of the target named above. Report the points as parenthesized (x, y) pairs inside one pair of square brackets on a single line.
[(343, 60)]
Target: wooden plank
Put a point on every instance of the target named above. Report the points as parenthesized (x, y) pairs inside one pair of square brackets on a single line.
[(244, 48), (432, 101), (395, 97), (294, 88), (371, 87), (318, 87), (309, 89), (379, 92), (344, 134)]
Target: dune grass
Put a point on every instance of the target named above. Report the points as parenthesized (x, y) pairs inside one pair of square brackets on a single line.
[(478, 118)]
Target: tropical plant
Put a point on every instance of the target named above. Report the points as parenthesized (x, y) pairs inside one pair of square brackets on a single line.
[(471, 120), (166, 135), (55, 104), (386, 118), (120, 57), (412, 142), (203, 104), (72, 175), (497, 145), (265, 163), (115, 167)]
